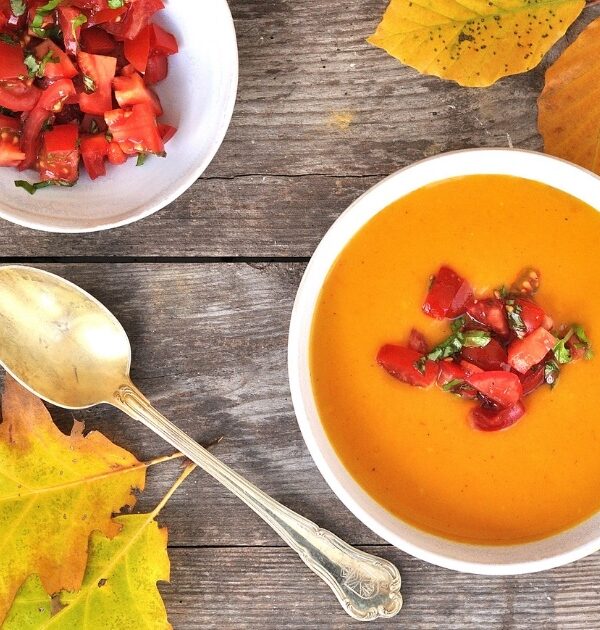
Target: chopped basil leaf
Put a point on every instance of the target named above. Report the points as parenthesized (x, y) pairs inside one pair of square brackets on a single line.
[(501, 292), (142, 157), (116, 4), (551, 373), (561, 352), (452, 385), (458, 323), (585, 342), (37, 68), (7, 39), (31, 188), (94, 126), (77, 22), (89, 84), (18, 7), (48, 7), (515, 321), (476, 338)]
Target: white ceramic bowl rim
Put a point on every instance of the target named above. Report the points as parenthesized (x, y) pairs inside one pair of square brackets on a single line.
[(550, 552)]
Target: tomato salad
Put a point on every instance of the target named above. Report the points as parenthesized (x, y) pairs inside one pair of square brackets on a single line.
[(76, 81), (500, 349)]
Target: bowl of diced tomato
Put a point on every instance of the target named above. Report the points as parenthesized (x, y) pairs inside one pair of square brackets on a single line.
[(109, 109)]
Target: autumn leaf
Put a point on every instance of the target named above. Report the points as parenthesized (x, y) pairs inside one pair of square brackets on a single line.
[(119, 588), (54, 491), (569, 106), (474, 43)]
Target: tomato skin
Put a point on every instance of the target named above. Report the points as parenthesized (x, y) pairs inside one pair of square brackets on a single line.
[(416, 339), (105, 16), (470, 368), (448, 295), (533, 316), (56, 95), (167, 132), (489, 419), (59, 157), (157, 69), (135, 130), (523, 354), (491, 313), (490, 357), (93, 151), (503, 388), (450, 371), (66, 18), (97, 41), (162, 42), (18, 95), (137, 17), (399, 362), (11, 61), (532, 379), (64, 69), (131, 90), (101, 69), (137, 51)]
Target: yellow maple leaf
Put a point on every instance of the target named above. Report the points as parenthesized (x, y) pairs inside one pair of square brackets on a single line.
[(569, 107), (119, 587), (54, 491), (473, 42)]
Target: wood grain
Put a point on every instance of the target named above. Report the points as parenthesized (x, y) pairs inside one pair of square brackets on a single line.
[(321, 116), (271, 588)]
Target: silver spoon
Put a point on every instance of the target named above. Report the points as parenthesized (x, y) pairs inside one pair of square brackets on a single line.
[(67, 348)]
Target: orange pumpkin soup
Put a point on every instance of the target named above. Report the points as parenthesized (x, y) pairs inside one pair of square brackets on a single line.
[(413, 449)]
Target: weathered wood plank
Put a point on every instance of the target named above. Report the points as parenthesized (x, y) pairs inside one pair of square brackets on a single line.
[(209, 349), (314, 99), (271, 588)]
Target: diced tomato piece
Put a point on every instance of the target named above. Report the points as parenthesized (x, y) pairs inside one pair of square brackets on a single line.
[(68, 19), (94, 149), (59, 158), (60, 66), (400, 363), (450, 371), (448, 295), (105, 16), (10, 140), (115, 154), (503, 388), (135, 130), (137, 50), (11, 61), (490, 419), (156, 70), (97, 41), (162, 42), (101, 70), (50, 102), (532, 379), (523, 354), (18, 95), (490, 357), (416, 339), (167, 132), (131, 90), (137, 17), (491, 313), (533, 316), (470, 368)]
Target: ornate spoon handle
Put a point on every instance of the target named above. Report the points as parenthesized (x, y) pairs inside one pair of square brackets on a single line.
[(367, 587)]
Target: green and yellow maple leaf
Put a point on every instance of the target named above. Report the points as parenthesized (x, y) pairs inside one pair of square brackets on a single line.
[(54, 491), (119, 588), (473, 42)]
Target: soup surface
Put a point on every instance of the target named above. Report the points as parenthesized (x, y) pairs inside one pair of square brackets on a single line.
[(414, 450)]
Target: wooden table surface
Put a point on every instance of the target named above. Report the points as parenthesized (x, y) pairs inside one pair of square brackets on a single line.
[(205, 290)]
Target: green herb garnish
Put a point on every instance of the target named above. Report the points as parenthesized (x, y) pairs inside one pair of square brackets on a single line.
[(458, 323), (476, 338), (116, 4), (37, 68), (18, 7), (31, 188), (453, 384), (453, 345), (94, 126), (7, 39), (89, 84), (78, 22), (561, 352), (141, 159), (515, 321)]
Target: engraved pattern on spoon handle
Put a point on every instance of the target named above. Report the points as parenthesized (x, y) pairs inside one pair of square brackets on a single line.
[(367, 587)]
